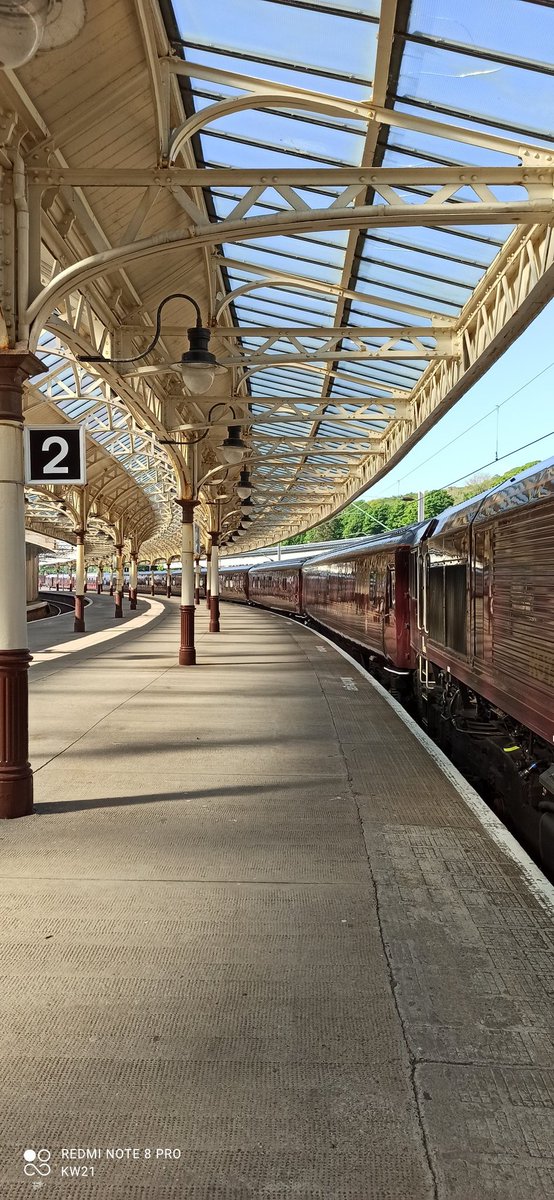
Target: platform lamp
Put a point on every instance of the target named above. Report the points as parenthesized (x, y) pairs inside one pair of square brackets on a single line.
[(244, 485), (30, 25), (198, 366)]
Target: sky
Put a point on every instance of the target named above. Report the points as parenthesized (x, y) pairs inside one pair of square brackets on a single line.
[(521, 385)]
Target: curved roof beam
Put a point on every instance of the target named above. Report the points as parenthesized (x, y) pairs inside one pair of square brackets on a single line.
[(366, 110), (276, 280), (537, 208), (223, 108)]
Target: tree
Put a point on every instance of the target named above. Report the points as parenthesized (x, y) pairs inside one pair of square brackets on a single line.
[(328, 531), (353, 519), (436, 501)]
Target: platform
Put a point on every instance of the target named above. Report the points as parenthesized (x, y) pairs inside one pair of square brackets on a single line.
[(252, 920)]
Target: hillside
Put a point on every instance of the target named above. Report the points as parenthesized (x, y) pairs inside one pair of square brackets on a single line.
[(373, 516)]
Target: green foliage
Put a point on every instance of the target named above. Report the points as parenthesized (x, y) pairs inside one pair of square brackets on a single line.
[(376, 516), (436, 502)]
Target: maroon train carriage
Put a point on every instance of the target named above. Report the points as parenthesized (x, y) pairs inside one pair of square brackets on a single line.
[(482, 618), (277, 585), (361, 593), (233, 584)]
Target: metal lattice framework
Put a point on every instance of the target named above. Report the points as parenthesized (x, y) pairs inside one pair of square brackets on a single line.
[(362, 250)]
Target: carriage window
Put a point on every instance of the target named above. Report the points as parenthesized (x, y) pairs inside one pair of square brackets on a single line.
[(455, 605), (435, 602), (418, 562)]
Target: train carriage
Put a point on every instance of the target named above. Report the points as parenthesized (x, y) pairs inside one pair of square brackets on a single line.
[(277, 585), (233, 584), (482, 589), (361, 593)]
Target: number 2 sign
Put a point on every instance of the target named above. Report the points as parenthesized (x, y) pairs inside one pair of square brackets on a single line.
[(55, 454)]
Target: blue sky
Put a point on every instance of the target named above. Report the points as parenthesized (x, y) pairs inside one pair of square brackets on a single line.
[(522, 383)]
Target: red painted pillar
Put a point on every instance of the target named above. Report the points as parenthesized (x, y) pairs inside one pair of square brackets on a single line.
[(118, 611), (208, 576), (214, 584), (197, 581), (187, 651), (16, 778), (133, 579), (79, 622)]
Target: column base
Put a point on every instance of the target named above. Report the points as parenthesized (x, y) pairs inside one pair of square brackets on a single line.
[(118, 612), (214, 614), (111, 589), (16, 777), (98, 589), (79, 622), (208, 600), (197, 596), (132, 598), (187, 652)]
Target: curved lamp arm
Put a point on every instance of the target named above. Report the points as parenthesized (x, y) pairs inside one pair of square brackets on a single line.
[(156, 338)]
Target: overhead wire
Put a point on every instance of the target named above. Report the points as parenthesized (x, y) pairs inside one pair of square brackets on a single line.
[(496, 408), (492, 462)]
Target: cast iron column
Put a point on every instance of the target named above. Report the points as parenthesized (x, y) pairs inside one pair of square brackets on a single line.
[(168, 582), (197, 581), (16, 778), (133, 579), (214, 586), (187, 652), (118, 612), (100, 579), (79, 622), (152, 580), (208, 576)]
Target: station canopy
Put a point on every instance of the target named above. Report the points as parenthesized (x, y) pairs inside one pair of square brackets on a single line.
[(358, 197)]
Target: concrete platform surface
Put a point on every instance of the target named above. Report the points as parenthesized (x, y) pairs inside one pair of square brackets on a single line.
[(255, 943)]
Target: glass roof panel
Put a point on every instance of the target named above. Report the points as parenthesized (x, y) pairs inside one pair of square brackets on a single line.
[(319, 39), (476, 85), (519, 33), (458, 67)]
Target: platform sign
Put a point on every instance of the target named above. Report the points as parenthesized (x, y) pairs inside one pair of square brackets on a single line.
[(55, 454)]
